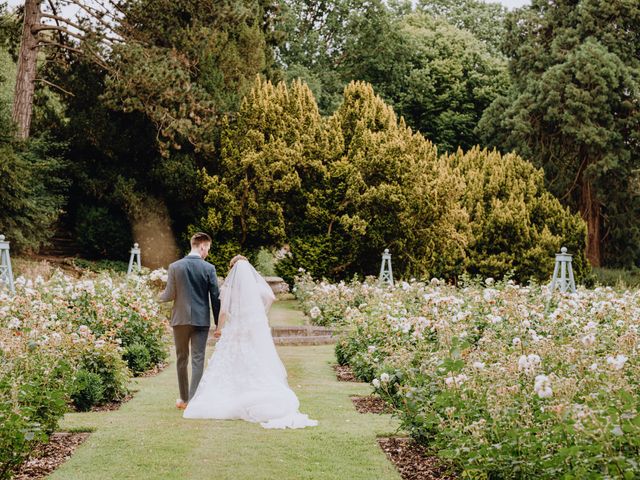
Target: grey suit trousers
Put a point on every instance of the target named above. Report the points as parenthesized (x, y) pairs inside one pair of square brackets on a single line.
[(183, 336)]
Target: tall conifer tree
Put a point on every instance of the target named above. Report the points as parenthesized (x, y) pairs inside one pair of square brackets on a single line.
[(574, 110)]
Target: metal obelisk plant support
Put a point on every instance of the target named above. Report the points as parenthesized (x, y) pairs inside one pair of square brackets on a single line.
[(386, 273), (563, 267), (135, 257), (6, 273)]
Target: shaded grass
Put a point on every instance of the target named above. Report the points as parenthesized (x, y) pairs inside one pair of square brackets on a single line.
[(147, 438), (287, 313), (618, 278)]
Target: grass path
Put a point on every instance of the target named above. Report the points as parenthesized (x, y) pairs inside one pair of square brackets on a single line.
[(148, 439), (286, 313)]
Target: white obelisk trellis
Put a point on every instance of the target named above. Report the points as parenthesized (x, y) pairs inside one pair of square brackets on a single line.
[(6, 273), (386, 273), (563, 267), (135, 257)]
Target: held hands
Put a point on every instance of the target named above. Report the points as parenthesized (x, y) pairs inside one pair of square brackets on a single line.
[(221, 321)]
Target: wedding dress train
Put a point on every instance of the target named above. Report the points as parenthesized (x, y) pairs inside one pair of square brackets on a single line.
[(245, 378)]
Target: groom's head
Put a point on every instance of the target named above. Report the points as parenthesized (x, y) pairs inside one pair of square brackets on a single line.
[(201, 243)]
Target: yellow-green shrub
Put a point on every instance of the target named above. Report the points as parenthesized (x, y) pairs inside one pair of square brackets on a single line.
[(516, 224)]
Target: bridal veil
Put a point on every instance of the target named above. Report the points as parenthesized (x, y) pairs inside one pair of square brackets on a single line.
[(245, 378)]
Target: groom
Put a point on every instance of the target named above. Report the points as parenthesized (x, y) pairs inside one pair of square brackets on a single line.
[(191, 283)]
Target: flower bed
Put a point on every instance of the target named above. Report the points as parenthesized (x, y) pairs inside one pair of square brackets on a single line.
[(495, 381), (66, 341)]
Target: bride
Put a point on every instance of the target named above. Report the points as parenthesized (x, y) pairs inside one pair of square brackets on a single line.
[(245, 378)]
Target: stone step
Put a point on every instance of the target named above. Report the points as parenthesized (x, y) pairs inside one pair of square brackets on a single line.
[(287, 331), (305, 340), (61, 246), (294, 340), (64, 239)]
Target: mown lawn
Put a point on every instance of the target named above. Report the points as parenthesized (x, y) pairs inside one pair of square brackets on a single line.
[(148, 439), (287, 313)]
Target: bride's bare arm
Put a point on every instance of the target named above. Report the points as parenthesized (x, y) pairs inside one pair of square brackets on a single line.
[(221, 320)]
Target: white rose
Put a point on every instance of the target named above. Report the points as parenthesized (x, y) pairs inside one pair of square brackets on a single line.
[(384, 377), (588, 340), (376, 383), (528, 363), (590, 326), (617, 362), (542, 386), (14, 323), (455, 381)]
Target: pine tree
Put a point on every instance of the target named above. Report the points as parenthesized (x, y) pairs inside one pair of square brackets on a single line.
[(574, 110)]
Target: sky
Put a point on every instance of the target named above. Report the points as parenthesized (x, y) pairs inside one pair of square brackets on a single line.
[(514, 3)]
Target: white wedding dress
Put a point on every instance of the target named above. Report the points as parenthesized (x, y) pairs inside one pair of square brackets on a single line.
[(245, 379)]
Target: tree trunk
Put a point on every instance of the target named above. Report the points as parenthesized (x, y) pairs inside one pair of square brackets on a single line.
[(27, 64), (590, 209)]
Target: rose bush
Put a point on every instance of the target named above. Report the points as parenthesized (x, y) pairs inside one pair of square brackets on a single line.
[(70, 341), (501, 379), (326, 303)]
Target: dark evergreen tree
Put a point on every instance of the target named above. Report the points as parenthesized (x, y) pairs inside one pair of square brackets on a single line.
[(574, 109), (428, 64), (32, 189)]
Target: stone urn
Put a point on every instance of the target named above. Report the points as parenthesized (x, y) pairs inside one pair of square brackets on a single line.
[(278, 285)]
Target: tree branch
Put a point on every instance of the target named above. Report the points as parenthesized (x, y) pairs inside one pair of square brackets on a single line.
[(96, 58), (59, 19), (51, 43), (79, 27), (95, 14), (42, 27), (113, 5), (55, 13), (46, 82), (575, 180)]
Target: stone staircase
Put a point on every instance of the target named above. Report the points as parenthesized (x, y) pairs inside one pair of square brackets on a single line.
[(304, 335), (63, 244), (298, 335)]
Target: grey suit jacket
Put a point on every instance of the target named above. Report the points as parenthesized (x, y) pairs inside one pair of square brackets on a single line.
[(191, 284)]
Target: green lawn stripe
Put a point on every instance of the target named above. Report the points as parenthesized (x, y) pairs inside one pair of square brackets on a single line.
[(147, 438)]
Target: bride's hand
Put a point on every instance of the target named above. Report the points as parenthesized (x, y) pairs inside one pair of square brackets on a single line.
[(217, 333)]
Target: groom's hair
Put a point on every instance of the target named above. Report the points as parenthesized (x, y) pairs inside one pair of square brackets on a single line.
[(199, 238)]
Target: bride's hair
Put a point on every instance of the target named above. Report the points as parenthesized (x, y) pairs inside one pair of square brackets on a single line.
[(235, 259)]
